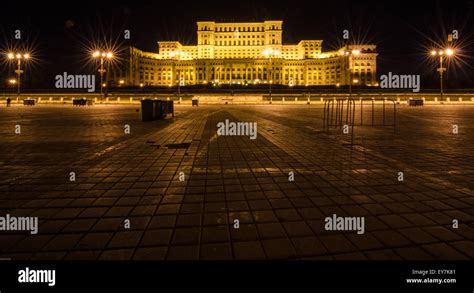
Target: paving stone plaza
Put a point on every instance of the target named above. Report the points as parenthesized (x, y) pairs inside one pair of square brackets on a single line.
[(173, 189)]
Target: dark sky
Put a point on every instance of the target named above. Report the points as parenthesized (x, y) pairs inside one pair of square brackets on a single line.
[(404, 31)]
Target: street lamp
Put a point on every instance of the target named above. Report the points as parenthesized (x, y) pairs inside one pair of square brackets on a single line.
[(102, 56), (178, 55), (442, 54), (270, 53), (19, 57), (349, 54)]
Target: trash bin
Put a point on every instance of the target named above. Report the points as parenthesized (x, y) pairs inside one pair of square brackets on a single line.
[(79, 102), (147, 110), (168, 108), (29, 102), (195, 102), (415, 103), (157, 109)]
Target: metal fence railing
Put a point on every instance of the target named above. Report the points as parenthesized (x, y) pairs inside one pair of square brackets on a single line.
[(347, 112)]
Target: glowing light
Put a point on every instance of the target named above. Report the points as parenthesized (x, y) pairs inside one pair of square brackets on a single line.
[(433, 53), (109, 55), (18, 56), (355, 52), (96, 54), (26, 56), (355, 81), (449, 52), (121, 81), (12, 81), (270, 52), (11, 56)]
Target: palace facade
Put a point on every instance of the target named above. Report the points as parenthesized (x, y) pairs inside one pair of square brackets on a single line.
[(247, 53)]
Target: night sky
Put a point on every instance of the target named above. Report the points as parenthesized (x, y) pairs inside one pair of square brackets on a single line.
[(404, 31)]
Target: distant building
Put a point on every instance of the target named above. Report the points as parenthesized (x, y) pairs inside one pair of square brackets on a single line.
[(247, 53)]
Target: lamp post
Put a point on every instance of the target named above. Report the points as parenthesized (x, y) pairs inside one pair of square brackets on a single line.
[(102, 56), (178, 55), (349, 55), (442, 54), (19, 57), (270, 54)]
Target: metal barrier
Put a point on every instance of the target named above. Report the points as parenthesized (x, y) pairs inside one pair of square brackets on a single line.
[(384, 116), (342, 112), (227, 100), (156, 109), (335, 117), (82, 102), (415, 103), (29, 102)]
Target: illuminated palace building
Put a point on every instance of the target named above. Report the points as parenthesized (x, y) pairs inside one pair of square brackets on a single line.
[(245, 53)]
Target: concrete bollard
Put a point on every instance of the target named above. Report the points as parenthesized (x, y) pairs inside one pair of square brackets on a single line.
[(131, 100), (436, 99), (460, 99), (118, 99), (448, 100)]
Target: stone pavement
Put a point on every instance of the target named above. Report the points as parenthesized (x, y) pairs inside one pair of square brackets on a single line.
[(137, 177)]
